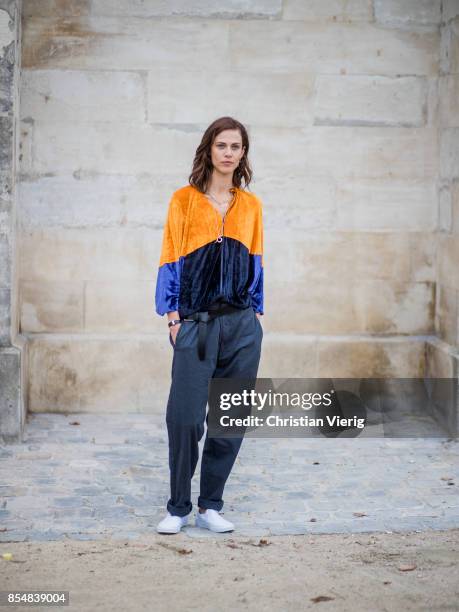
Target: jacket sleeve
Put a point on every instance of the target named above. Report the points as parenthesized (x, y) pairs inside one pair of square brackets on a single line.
[(168, 279), (256, 257)]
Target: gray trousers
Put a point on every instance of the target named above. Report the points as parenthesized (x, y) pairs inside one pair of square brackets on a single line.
[(233, 347)]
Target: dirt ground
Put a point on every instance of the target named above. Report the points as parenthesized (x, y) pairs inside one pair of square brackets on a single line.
[(359, 572)]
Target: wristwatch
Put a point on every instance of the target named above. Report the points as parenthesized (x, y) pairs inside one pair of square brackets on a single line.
[(174, 322)]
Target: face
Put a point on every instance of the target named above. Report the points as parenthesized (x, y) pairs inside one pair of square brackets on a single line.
[(227, 151)]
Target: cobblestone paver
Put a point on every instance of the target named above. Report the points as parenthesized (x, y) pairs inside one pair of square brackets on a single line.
[(108, 476)]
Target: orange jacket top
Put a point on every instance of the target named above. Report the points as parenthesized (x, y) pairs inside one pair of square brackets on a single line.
[(196, 268)]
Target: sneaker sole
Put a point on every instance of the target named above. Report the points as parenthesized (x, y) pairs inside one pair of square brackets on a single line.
[(214, 529), (165, 530)]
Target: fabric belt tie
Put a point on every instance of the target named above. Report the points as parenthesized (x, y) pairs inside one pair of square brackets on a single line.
[(205, 316)]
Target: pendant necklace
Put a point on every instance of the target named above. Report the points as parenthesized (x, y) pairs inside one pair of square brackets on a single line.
[(220, 234)]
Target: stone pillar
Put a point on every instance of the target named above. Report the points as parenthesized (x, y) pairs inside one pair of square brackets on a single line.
[(12, 404)]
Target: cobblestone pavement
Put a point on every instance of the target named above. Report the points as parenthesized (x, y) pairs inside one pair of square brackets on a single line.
[(88, 477)]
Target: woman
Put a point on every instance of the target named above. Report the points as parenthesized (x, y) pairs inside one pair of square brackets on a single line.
[(210, 285)]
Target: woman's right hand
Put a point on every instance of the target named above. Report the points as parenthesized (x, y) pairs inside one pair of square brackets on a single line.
[(174, 331)]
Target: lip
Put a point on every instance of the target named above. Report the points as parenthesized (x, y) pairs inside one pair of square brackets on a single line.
[(227, 163)]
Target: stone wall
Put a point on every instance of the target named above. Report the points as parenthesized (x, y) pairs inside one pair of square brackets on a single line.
[(342, 106), (447, 319), (12, 347), (442, 351)]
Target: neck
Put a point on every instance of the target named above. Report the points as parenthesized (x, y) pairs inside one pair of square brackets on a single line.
[(219, 183)]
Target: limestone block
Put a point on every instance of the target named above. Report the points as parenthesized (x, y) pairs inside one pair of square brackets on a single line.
[(295, 202), (449, 47), (129, 43), (287, 355), (51, 307), (335, 153), (11, 392), (455, 208), (7, 70), (347, 256), (332, 10), (442, 360), (76, 95), (5, 217), (422, 253), (385, 204), (98, 374), (6, 143), (448, 260), (376, 100), (5, 316), (406, 12), (444, 208), (447, 314), (62, 148), (5, 261), (236, 9), (449, 153), (122, 307), (25, 147), (329, 48), (450, 10), (454, 46), (371, 358), (260, 99), (51, 8), (111, 254), (448, 95), (398, 308), (337, 307), (96, 200)]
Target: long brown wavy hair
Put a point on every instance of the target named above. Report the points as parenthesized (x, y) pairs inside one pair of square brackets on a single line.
[(202, 164)]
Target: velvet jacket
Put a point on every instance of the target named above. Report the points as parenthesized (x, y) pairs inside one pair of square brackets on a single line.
[(195, 269)]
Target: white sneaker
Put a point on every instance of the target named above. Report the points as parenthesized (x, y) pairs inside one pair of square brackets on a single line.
[(171, 524), (211, 519)]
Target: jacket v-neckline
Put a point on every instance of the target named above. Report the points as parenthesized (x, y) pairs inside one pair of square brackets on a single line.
[(232, 202)]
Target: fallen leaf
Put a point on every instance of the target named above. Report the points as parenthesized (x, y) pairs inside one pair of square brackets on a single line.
[(359, 514), (180, 551), (74, 423), (262, 542), (313, 520), (321, 598), (232, 545)]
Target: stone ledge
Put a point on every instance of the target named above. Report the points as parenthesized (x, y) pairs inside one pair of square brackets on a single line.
[(100, 373)]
